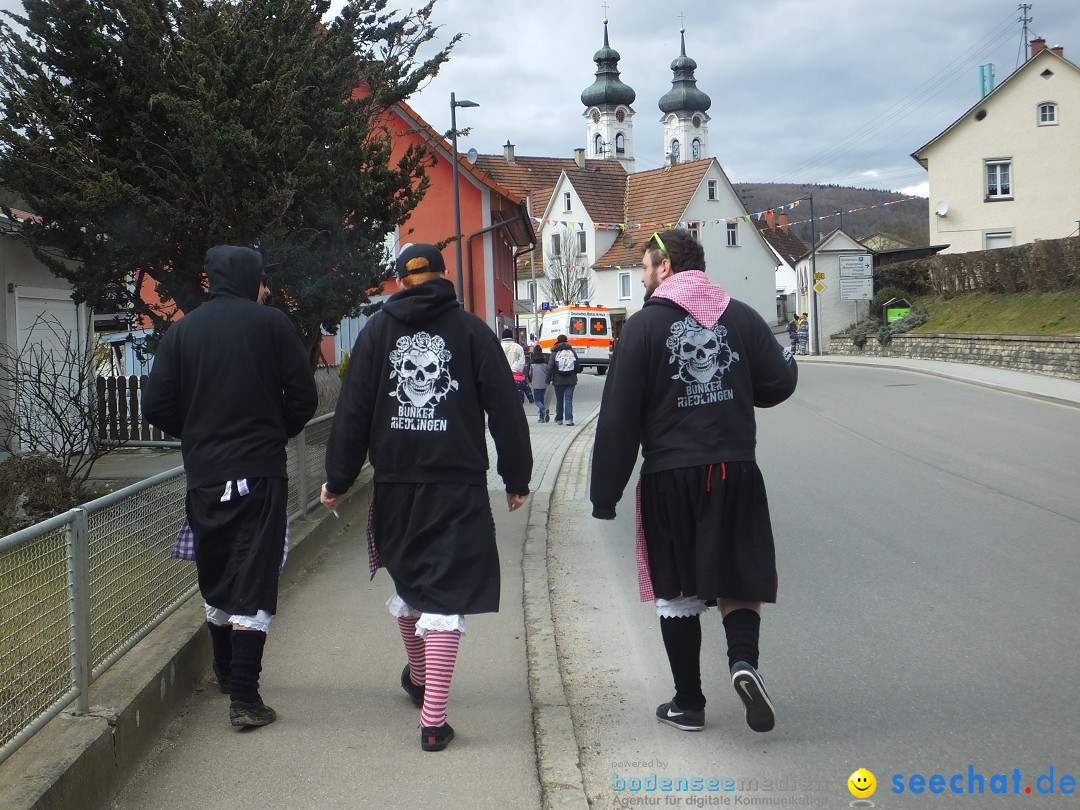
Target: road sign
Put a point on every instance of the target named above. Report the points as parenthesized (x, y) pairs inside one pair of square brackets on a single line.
[(861, 266), (819, 276), (819, 287), (856, 289)]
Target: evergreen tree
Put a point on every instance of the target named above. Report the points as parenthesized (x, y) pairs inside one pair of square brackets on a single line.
[(142, 132)]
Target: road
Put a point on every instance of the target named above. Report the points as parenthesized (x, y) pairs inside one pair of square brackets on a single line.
[(928, 541)]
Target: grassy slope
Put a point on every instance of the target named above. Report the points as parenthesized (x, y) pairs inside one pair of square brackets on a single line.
[(1056, 313)]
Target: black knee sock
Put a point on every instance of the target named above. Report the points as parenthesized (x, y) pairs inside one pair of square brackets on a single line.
[(742, 627), (682, 640), (247, 653), (221, 640)]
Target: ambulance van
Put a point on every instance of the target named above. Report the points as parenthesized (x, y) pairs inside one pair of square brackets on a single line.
[(589, 331)]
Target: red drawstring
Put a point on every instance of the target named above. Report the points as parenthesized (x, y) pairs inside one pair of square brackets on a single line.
[(708, 476)]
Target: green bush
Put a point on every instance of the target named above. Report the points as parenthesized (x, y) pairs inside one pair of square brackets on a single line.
[(344, 364), (861, 331)]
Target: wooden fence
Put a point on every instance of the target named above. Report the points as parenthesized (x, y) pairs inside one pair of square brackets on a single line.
[(119, 414)]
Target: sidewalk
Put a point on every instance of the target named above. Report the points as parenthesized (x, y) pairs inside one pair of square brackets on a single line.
[(347, 735)]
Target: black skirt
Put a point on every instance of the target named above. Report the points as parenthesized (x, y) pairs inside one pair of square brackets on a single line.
[(239, 544), (708, 533), (437, 542)]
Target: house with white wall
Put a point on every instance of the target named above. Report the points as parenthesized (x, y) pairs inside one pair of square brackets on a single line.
[(843, 288), (1007, 172), (699, 197)]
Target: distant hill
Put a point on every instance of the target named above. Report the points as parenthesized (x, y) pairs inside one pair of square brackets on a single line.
[(908, 220)]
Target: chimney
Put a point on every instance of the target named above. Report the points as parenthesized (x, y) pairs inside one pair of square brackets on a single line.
[(579, 157), (508, 151), (781, 221), (1058, 50), (1038, 45), (770, 219)]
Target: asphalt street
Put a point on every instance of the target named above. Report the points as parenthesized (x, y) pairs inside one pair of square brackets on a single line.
[(927, 548)]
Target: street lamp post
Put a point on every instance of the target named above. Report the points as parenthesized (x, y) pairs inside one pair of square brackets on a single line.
[(454, 104)]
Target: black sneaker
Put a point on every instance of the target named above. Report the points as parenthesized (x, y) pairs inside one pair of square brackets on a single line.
[(569, 424), (436, 738), (415, 693), (760, 715), (251, 714), (682, 719)]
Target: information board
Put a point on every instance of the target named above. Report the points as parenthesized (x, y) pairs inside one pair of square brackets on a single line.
[(861, 266)]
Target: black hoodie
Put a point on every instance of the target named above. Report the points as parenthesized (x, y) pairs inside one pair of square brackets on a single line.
[(421, 376), (231, 378)]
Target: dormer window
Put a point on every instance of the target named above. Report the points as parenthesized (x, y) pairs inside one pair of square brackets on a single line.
[(1047, 114)]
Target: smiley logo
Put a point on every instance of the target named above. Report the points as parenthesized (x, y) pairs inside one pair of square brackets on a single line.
[(862, 784)]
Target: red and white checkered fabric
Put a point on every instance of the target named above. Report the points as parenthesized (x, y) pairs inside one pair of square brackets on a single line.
[(692, 290)]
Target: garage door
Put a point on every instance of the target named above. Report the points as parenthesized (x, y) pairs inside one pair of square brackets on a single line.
[(50, 335)]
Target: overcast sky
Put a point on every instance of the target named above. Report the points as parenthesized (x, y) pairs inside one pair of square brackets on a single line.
[(803, 91)]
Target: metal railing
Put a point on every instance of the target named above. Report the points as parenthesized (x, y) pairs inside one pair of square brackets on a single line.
[(79, 590)]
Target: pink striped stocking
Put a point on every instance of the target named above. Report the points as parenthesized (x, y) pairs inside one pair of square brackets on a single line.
[(414, 648), (440, 651)]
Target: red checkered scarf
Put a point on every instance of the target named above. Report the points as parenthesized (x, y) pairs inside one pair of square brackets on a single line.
[(692, 290)]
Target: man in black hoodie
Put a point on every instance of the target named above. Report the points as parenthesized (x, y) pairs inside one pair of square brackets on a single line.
[(231, 380), (421, 376), (691, 367)]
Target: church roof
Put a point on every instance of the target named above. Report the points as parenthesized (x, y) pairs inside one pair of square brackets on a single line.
[(535, 177), (657, 198)]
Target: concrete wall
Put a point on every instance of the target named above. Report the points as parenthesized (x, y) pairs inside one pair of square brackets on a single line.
[(1053, 356)]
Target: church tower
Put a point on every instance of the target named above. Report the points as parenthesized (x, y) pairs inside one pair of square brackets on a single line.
[(609, 128), (685, 120)]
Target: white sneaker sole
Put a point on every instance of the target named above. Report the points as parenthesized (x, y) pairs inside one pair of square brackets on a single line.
[(760, 714)]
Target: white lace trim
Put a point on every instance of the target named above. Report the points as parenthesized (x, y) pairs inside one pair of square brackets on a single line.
[(399, 608), (260, 621), (216, 615), (439, 622), (680, 608)]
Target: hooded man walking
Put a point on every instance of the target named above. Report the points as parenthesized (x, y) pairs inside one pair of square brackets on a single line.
[(231, 380), (421, 378)]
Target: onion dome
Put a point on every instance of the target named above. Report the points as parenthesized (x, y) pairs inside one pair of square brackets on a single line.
[(608, 90), (684, 94)]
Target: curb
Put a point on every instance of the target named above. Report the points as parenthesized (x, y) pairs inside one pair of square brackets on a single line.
[(81, 761), (558, 756), (851, 360)]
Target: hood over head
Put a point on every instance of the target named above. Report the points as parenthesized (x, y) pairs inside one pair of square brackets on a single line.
[(233, 271), (423, 302)]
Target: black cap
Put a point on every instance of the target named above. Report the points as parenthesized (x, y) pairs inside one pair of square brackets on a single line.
[(419, 259)]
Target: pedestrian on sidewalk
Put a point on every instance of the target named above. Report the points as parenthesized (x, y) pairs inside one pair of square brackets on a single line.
[(793, 333), (515, 358), (539, 377), (692, 365), (563, 368), (804, 333), (422, 375), (233, 412)]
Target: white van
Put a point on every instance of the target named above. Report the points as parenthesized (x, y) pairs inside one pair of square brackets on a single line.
[(588, 329)]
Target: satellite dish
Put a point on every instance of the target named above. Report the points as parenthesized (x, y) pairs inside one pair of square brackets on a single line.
[(942, 208), (471, 156)]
